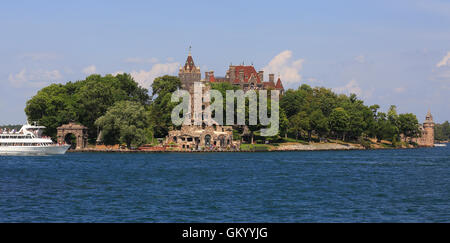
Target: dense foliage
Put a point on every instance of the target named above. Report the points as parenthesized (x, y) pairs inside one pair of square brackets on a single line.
[(82, 101), (126, 114), (126, 122), (161, 107), (442, 131), (324, 114)]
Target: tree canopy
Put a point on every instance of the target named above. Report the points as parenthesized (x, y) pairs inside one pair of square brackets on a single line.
[(326, 114), (108, 102), (442, 131), (83, 101), (126, 122), (161, 107)]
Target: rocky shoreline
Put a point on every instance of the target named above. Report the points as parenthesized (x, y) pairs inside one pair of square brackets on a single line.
[(280, 148), (318, 146)]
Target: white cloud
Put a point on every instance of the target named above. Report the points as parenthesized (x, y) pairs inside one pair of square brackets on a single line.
[(445, 61), (141, 60), (90, 70), (37, 78), (353, 87), (287, 68), (145, 78)]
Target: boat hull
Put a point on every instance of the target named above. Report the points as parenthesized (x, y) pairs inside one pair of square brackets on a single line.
[(33, 150), (440, 145)]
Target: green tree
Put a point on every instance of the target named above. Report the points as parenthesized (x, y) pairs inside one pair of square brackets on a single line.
[(162, 106), (52, 106), (299, 124), (83, 101), (394, 130), (442, 131), (125, 122), (339, 122), (284, 124), (295, 125), (408, 125), (319, 123)]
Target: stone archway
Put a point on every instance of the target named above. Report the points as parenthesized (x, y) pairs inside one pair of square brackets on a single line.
[(71, 140), (78, 130)]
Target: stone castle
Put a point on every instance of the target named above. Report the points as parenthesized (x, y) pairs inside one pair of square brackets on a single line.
[(426, 137), (216, 137), (245, 77)]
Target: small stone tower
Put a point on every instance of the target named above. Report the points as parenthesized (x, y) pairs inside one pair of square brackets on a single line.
[(426, 138), (428, 127), (189, 73)]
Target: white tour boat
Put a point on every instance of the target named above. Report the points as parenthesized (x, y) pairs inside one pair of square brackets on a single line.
[(29, 141), (440, 145)]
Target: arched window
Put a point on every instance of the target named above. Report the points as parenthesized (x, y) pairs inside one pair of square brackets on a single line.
[(207, 140)]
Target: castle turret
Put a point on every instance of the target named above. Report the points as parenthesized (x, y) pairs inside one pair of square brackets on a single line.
[(428, 127), (189, 73), (279, 86)]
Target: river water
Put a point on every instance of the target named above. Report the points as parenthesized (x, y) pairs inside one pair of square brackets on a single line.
[(406, 185)]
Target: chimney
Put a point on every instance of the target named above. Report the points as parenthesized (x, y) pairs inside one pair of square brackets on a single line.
[(261, 76), (271, 77), (232, 73), (241, 75), (206, 75)]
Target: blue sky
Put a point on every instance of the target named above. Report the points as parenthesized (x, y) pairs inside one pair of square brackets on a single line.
[(388, 52)]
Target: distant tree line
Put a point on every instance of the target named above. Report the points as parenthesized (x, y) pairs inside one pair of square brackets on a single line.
[(442, 131), (127, 114), (325, 114)]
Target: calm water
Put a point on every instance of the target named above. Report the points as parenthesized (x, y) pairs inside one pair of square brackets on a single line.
[(339, 186)]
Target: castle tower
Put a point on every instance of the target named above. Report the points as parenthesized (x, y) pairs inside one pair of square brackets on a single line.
[(428, 127), (189, 73)]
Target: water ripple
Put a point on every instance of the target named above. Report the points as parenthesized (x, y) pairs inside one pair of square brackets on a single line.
[(325, 186)]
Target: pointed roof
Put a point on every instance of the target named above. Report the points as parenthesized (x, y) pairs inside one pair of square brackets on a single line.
[(429, 117), (279, 85), (249, 71), (212, 78), (189, 65)]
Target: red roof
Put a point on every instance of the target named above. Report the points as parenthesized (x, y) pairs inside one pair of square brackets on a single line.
[(189, 63), (249, 71), (279, 85), (211, 78), (269, 85)]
